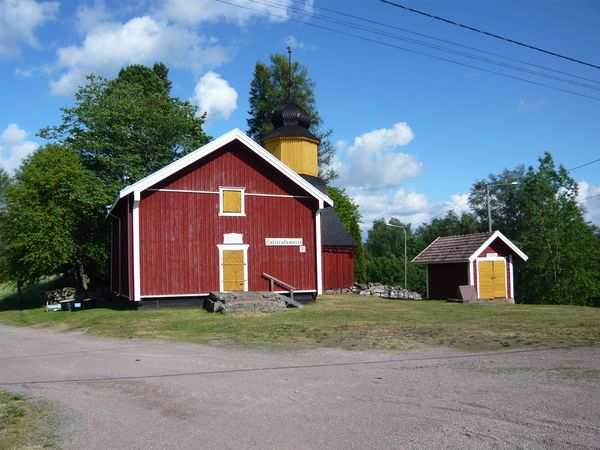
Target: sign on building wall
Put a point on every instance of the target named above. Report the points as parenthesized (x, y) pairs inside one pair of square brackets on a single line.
[(283, 242)]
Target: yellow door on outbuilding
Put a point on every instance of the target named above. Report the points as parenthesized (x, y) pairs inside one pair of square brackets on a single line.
[(233, 270), (492, 279)]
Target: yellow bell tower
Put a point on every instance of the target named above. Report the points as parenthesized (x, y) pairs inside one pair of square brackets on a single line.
[(291, 140)]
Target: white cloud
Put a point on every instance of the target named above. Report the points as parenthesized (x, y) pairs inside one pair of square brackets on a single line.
[(373, 158), (142, 40), (309, 6), (589, 198), (19, 20), (214, 96), (14, 147), (459, 203), (197, 11), (13, 134), (91, 16), (293, 42), (407, 206)]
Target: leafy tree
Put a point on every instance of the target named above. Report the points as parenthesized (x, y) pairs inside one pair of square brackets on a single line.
[(4, 183), (564, 254), (54, 218), (128, 127), (349, 214), (503, 196), (449, 225), (269, 90), (385, 249)]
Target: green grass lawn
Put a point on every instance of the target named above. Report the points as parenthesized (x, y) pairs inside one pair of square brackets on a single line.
[(24, 424), (340, 321)]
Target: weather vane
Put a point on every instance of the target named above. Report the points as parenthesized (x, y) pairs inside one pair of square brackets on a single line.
[(289, 90)]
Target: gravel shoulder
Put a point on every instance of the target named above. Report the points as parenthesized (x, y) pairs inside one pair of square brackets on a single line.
[(141, 394)]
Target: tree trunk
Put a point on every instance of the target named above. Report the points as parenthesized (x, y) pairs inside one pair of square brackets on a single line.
[(20, 294), (83, 279)]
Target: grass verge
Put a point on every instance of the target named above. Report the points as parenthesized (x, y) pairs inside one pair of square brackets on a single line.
[(343, 321), (24, 423)]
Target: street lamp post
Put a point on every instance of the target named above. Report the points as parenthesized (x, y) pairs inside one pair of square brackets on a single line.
[(487, 195), (405, 255)]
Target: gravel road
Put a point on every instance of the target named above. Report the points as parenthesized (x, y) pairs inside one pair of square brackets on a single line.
[(137, 394)]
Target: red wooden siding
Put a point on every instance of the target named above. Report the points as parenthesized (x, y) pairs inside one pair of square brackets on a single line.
[(444, 279), (180, 231), (121, 248), (233, 166), (338, 268)]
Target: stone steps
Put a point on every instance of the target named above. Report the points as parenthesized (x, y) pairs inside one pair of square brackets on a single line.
[(242, 302)]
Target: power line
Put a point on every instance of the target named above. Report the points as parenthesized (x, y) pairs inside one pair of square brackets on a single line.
[(487, 33), (417, 52), (446, 41), (486, 60), (589, 163)]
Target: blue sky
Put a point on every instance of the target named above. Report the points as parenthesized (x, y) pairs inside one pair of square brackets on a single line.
[(413, 133)]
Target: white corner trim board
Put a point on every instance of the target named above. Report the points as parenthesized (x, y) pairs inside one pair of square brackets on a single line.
[(136, 248), (318, 245), (235, 134)]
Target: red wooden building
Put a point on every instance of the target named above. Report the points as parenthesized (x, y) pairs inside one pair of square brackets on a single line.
[(223, 216), (482, 260)]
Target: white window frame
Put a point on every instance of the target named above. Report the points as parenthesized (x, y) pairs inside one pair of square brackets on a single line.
[(493, 258), (242, 192), (225, 247)]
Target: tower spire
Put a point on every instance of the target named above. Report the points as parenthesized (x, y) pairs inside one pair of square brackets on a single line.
[(289, 86)]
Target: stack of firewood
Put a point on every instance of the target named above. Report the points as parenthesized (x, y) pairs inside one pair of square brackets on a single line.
[(57, 295)]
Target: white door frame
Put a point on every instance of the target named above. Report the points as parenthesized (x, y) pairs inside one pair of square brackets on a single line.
[(225, 247), (492, 258)]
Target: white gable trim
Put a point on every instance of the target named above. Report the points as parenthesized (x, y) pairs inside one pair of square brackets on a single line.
[(214, 145), (492, 238)]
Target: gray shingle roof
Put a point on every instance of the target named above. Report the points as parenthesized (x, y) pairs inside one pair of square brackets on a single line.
[(333, 232), (452, 248)]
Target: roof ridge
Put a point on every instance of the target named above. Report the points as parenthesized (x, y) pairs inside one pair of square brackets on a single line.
[(488, 233)]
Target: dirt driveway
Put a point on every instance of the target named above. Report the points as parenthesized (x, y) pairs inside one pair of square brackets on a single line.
[(160, 395)]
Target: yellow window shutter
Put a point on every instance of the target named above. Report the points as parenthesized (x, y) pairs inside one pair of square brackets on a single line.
[(232, 201)]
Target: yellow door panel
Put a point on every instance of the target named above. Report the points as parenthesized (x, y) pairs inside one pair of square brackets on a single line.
[(233, 257), (232, 201), (233, 270), (492, 279)]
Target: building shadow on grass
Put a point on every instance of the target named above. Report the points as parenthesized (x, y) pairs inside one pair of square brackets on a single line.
[(31, 297)]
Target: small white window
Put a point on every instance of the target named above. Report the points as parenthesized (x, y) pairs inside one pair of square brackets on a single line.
[(231, 201)]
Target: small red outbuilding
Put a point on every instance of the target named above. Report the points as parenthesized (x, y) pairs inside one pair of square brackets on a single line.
[(482, 260)]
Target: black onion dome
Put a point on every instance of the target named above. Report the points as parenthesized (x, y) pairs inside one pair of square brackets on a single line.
[(290, 120), (290, 114)]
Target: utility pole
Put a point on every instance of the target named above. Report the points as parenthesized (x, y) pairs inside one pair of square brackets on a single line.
[(489, 207), (289, 86), (405, 254)]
